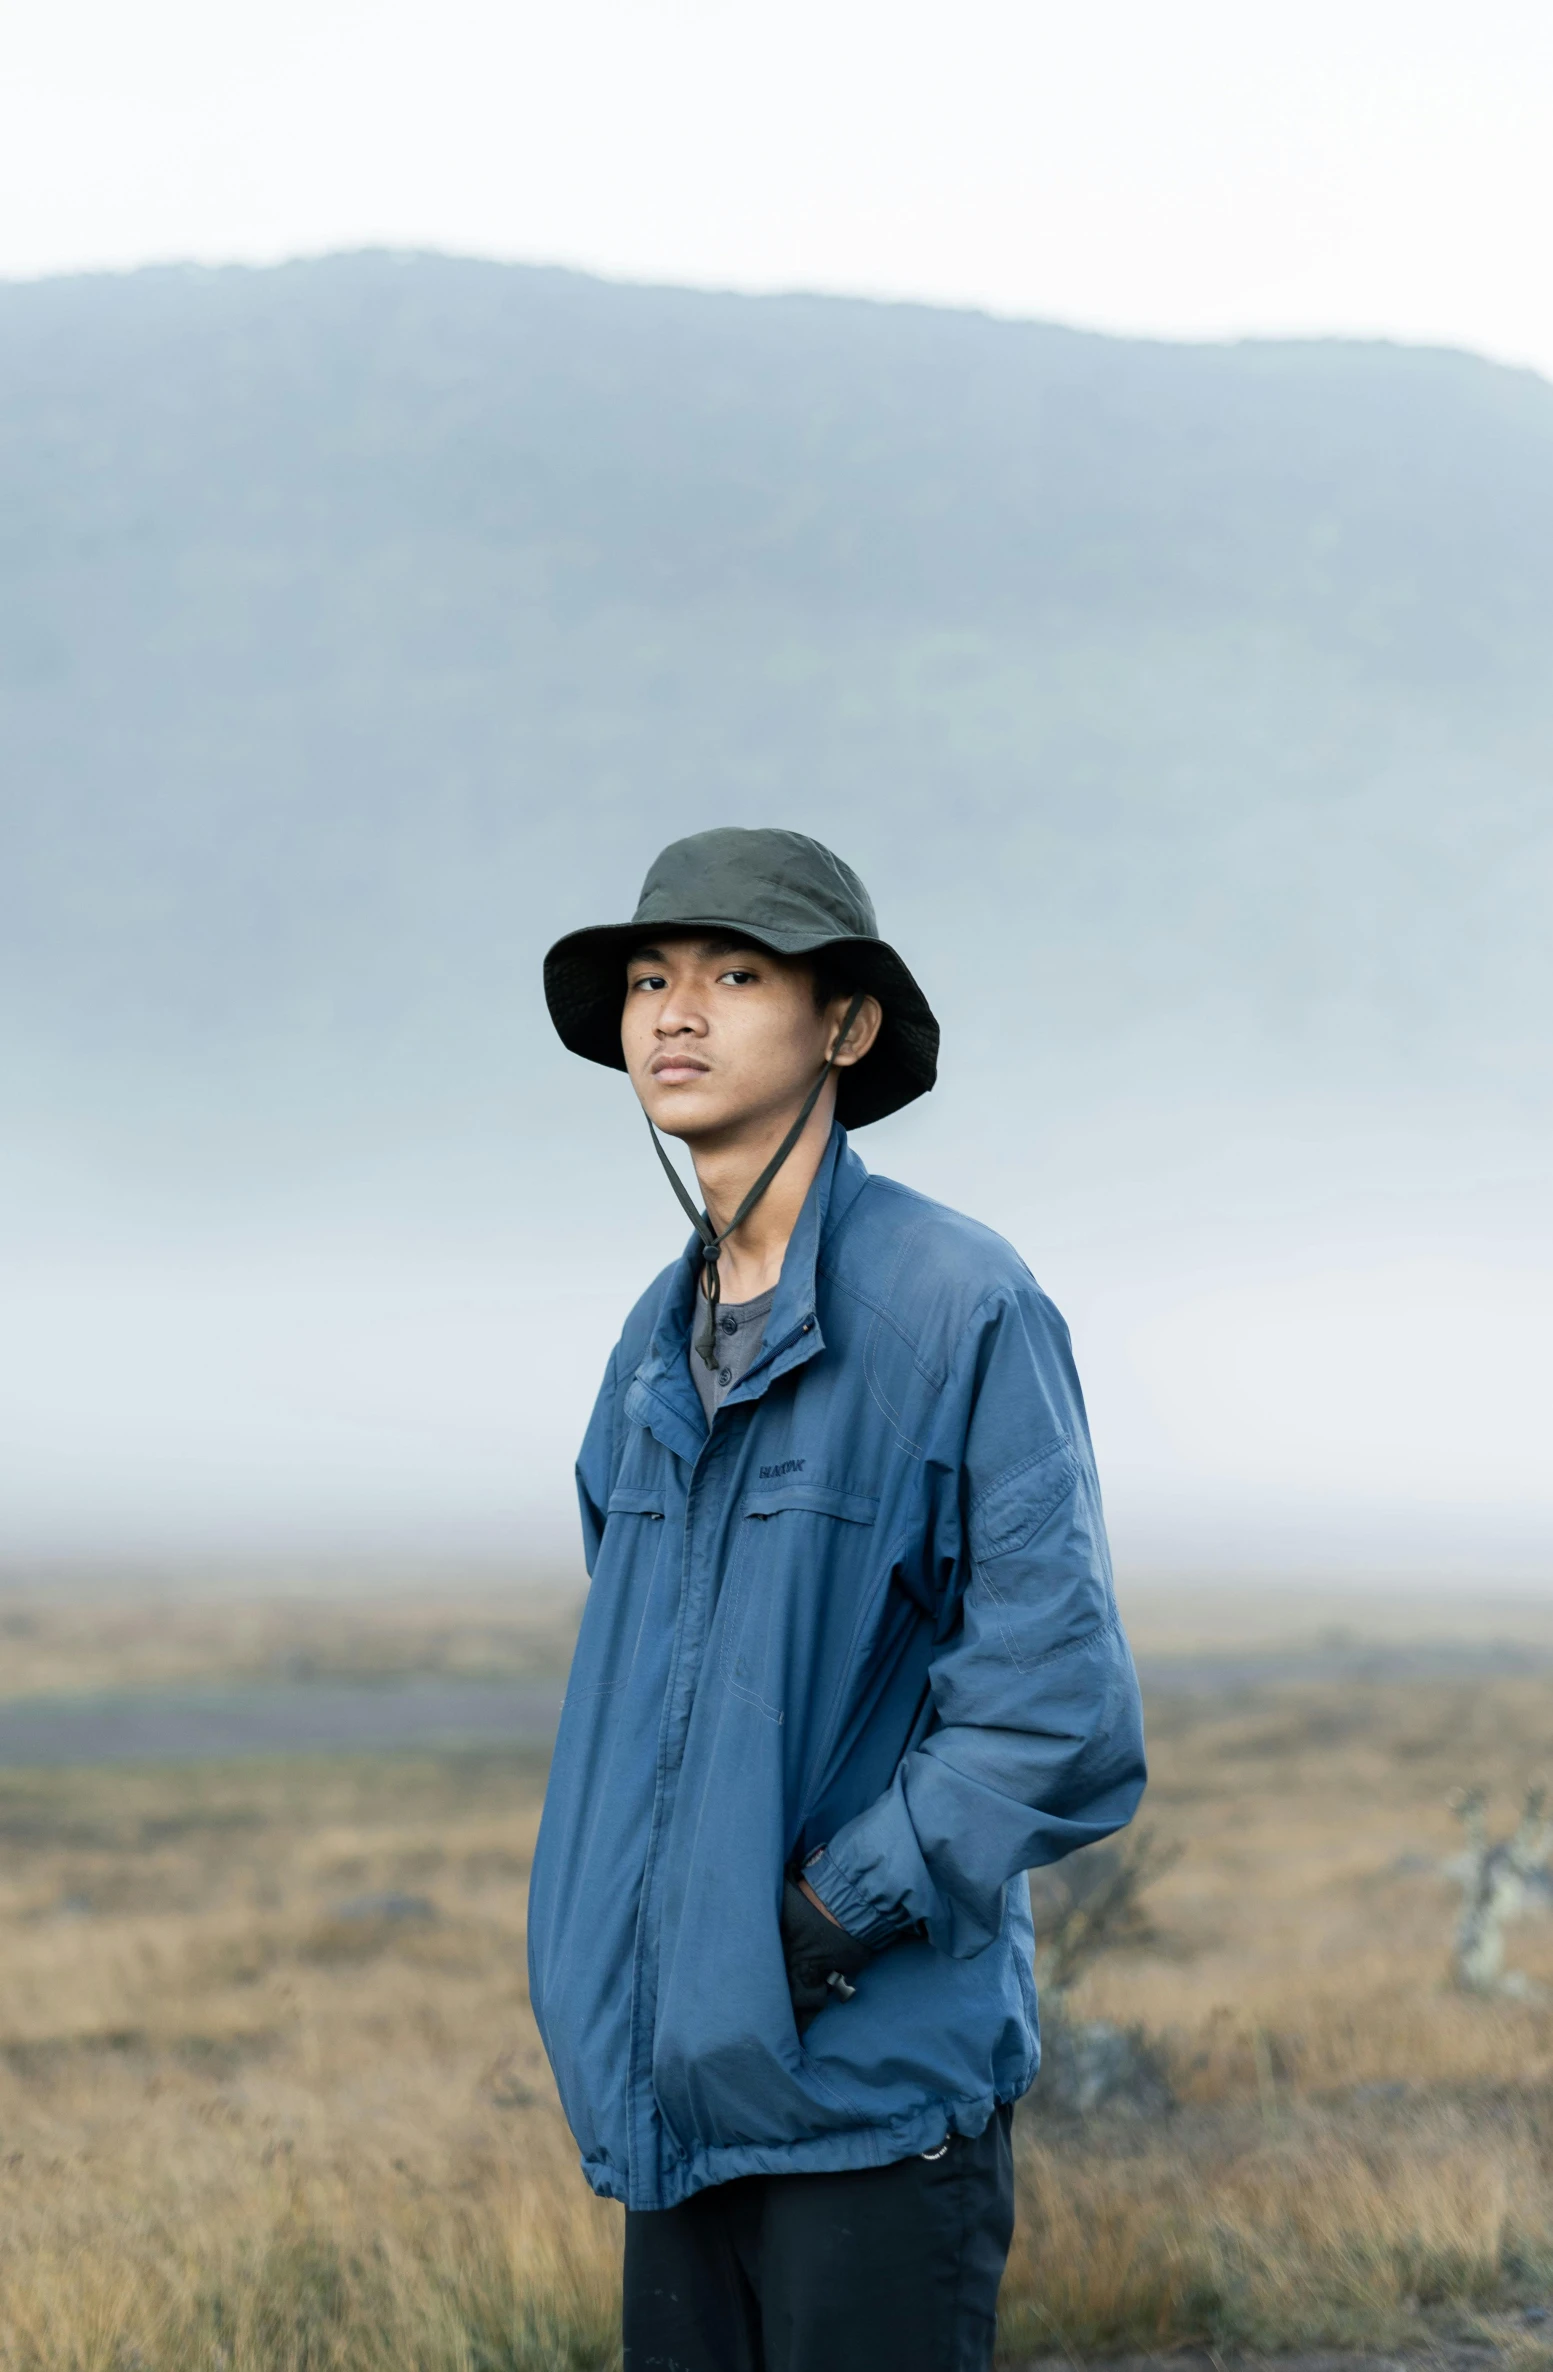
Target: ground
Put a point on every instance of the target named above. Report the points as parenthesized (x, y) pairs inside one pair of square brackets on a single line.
[(271, 2099)]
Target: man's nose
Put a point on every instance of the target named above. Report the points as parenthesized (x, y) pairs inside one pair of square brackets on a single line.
[(674, 1021)]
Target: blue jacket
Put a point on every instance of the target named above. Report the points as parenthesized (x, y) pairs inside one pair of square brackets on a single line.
[(869, 1610)]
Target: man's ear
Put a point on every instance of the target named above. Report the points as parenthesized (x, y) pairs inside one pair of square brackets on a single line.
[(861, 1035)]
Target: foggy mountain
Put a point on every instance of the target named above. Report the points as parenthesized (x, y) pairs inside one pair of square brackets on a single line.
[(366, 622)]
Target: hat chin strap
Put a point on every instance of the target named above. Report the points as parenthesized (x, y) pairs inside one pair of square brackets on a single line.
[(712, 1241)]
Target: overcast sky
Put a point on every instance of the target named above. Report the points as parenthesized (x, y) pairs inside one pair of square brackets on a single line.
[(1202, 168)]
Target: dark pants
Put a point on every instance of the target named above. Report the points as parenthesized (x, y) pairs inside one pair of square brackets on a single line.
[(895, 2266)]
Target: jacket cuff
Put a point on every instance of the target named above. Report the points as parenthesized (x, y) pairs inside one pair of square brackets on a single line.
[(846, 1902)]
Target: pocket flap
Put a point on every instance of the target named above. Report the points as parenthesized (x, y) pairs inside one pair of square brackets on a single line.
[(1013, 1511), (629, 1502), (853, 1507)]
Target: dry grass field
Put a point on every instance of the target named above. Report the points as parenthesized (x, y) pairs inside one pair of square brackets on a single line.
[(83, 1641), (271, 2099)]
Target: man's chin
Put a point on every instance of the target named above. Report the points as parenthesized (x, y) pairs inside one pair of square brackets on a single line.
[(687, 1113)]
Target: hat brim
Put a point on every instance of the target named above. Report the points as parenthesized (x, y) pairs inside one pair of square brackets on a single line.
[(585, 991)]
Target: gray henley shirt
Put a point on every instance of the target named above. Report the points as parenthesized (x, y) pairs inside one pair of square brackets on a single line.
[(741, 1330)]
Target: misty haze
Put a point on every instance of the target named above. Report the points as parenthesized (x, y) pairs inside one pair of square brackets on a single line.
[(366, 623)]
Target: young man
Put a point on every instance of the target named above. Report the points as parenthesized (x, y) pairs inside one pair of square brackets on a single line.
[(850, 1663)]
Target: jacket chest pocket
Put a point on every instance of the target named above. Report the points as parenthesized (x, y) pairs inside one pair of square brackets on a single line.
[(624, 1575), (790, 1596)]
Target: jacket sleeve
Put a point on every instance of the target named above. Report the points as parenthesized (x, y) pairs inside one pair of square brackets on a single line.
[(1036, 1746), (595, 1464)]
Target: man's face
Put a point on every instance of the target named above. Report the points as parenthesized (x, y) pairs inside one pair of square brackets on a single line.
[(717, 1035)]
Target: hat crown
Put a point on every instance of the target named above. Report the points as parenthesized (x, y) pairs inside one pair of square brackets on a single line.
[(766, 881)]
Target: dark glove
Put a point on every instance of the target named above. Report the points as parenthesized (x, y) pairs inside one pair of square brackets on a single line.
[(822, 1959)]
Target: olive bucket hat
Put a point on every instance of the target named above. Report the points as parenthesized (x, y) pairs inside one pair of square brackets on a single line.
[(778, 890), (785, 892)]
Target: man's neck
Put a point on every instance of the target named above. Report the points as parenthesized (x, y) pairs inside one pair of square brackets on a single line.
[(751, 1260)]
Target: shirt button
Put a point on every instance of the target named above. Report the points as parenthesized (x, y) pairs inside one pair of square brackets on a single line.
[(725, 1375), (730, 1325)]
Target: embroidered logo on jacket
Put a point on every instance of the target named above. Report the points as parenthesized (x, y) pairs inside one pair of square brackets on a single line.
[(788, 1466)]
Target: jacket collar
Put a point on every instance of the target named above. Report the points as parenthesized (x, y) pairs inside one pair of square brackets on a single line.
[(662, 1395)]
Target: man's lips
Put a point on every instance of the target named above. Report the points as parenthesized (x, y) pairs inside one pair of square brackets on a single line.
[(677, 1066)]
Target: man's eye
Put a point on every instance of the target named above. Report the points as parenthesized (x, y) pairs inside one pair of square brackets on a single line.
[(649, 980), (736, 975)]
